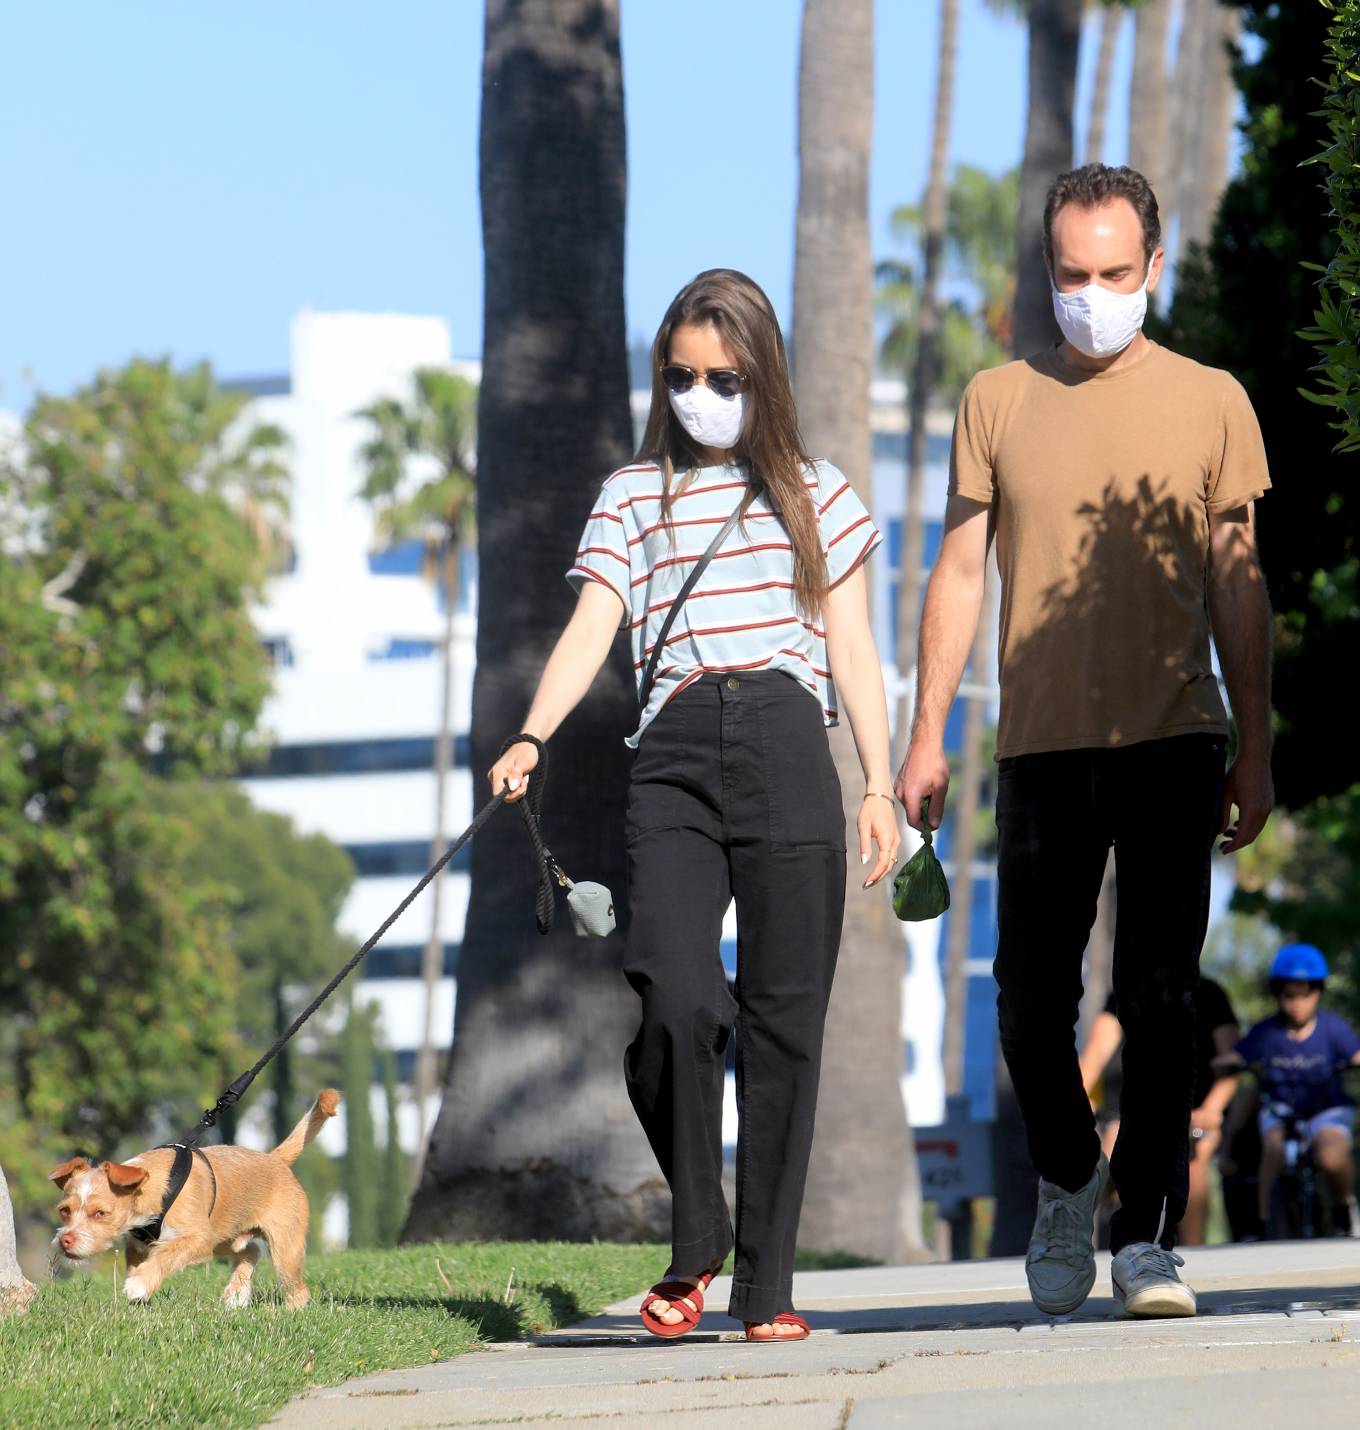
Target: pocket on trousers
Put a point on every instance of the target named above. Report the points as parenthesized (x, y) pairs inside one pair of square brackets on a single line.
[(802, 788), (653, 806)]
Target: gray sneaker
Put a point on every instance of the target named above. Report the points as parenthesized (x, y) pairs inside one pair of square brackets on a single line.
[(1061, 1263), (1146, 1284)]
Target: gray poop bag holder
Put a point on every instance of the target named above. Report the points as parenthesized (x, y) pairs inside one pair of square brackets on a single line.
[(590, 905)]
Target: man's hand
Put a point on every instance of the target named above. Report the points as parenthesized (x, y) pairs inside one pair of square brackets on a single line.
[(1251, 789), (924, 776)]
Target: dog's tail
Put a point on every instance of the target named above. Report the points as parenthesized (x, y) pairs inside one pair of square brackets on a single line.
[(290, 1149)]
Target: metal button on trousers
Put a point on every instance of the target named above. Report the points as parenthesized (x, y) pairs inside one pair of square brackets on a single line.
[(733, 683)]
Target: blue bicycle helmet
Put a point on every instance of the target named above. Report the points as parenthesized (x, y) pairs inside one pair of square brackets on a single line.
[(1299, 962)]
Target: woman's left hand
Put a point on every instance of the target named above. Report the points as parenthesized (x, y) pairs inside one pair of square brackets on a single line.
[(878, 825)]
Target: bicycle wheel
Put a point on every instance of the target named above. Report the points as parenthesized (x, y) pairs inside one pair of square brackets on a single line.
[(1285, 1222)]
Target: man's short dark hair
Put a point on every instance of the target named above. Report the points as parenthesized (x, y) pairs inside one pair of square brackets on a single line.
[(1096, 185)]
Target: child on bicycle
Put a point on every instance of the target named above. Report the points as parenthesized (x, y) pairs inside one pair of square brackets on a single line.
[(1300, 1051)]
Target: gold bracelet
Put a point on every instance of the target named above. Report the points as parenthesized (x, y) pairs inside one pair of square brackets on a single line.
[(874, 794)]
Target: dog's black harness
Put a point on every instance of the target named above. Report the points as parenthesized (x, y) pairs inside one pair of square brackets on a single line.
[(149, 1234)]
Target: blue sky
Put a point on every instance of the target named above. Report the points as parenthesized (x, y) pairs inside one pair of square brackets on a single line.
[(182, 179)]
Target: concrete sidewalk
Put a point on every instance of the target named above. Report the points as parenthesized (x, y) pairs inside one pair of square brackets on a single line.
[(1277, 1343)]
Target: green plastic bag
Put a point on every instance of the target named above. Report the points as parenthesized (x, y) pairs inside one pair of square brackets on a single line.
[(920, 890)]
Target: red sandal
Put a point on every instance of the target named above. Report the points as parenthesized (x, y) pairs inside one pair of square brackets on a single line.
[(784, 1318), (687, 1299)]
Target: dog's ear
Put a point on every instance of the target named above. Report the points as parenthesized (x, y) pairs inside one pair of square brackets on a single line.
[(63, 1174), (124, 1177)]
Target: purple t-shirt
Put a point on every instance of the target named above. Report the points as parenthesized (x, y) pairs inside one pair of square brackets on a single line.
[(1302, 1073)]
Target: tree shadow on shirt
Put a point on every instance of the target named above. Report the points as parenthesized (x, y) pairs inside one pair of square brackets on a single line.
[(1126, 581)]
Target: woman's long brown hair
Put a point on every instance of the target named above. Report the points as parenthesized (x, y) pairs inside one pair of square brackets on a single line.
[(770, 444)]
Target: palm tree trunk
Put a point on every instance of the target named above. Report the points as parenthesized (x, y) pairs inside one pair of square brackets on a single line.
[(432, 959), (1110, 20), (936, 215), (1216, 103), (1148, 99), (535, 1138), (862, 1157), (1188, 117), (16, 1291), (1054, 35)]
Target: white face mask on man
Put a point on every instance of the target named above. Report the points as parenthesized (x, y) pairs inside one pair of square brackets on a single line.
[(712, 421), (1098, 321)]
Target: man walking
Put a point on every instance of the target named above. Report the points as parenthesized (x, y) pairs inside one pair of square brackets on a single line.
[(1119, 479)]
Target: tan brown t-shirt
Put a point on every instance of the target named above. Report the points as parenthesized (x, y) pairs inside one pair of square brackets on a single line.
[(1102, 485)]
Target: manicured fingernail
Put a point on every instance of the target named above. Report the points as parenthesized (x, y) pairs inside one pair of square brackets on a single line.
[(514, 781), (863, 858)]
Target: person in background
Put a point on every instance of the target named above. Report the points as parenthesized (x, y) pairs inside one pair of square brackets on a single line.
[(1299, 1052), (1217, 1033)]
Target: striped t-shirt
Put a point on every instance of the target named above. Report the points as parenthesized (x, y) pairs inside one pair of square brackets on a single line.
[(742, 614)]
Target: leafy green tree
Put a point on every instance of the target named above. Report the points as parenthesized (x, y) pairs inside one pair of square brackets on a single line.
[(1238, 304), (1316, 893), (1336, 328), (131, 516), (434, 433), (282, 893), (979, 259)]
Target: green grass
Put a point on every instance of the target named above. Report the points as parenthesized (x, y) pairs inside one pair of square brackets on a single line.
[(84, 1357)]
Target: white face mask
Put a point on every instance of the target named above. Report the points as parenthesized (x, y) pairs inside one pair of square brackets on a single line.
[(711, 420), (1098, 321)]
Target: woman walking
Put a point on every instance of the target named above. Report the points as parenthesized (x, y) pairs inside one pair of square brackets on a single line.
[(733, 793)]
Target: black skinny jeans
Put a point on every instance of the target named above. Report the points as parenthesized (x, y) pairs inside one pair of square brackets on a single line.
[(734, 795), (1159, 804)]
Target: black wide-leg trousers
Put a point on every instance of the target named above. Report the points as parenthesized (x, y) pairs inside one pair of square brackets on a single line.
[(1159, 804), (734, 796)]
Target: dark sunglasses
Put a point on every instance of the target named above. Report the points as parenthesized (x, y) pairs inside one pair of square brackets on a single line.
[(722, 380)]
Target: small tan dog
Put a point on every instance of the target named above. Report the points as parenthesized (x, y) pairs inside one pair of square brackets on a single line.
[(223, 1207)]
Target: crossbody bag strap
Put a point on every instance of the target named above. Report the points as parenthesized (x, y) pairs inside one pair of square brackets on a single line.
[(645, 689)]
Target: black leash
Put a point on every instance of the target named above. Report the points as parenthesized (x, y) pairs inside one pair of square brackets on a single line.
[(531, 808)]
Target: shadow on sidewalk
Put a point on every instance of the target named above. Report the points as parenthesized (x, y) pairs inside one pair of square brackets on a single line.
[(496, 1321), (624, 1332)]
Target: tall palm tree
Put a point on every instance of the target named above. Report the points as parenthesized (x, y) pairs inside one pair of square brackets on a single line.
[(436, 431), (1109, 19), (979, 249), (863, 1170), (1204, 112), (1148, 98), (16, 1291), (1054, 36), (535, 1138), (928, 321)]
